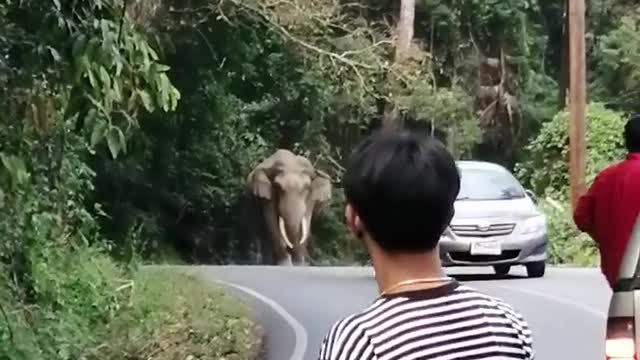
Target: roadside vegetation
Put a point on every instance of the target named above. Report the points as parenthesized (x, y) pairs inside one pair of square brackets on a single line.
[(127, 129)]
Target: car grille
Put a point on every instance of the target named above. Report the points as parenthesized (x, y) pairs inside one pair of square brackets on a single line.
[(475, 231), (465, 256)]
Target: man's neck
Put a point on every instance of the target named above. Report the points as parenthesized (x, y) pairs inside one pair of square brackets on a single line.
[(393, 269)]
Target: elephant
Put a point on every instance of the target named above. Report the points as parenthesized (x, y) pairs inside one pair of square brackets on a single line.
[(290, 190)]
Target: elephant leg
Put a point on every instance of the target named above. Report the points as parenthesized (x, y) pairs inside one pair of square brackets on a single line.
[(285, 260), (281, 255), (299, 256)]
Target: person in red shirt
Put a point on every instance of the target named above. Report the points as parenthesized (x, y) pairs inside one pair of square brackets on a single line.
[(610, 208)]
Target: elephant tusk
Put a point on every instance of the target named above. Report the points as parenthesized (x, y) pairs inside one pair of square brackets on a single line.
[(305, 229), (283, 232)]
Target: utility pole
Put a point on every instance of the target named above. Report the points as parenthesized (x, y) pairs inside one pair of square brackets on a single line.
[(577, 98)]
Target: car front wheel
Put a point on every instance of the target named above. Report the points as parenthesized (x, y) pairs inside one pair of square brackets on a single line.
[(502, 270), (536, 269)]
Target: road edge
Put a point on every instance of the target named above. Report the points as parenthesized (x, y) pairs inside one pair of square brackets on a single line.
[(301, 336)]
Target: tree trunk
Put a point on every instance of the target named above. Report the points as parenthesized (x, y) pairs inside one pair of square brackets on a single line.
[(564, 60), (404, 33)]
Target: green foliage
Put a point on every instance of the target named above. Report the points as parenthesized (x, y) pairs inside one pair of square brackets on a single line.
[(74, 80), (448, 110), (566, 245), (332, 244), (618, 72), (58, 283), (550, 150)]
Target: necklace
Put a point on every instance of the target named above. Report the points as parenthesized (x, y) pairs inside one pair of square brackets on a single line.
[(415, 281)]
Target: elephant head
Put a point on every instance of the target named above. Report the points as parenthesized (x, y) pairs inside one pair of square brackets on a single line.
[(291, 189)]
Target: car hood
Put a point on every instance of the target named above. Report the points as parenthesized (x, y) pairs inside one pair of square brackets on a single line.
[(504, 209)]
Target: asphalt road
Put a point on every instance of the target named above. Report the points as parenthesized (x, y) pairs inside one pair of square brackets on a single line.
[(296, 306)]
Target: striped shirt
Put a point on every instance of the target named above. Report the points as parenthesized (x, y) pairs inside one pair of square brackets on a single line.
[(450, 322)]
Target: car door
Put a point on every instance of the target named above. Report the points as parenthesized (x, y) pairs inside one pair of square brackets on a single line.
[(623, 323)]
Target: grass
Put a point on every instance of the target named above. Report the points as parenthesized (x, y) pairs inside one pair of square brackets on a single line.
[(85, 310), (174, 315)]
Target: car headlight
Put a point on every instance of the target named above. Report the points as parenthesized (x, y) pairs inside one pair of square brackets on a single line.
[(446, 235), (534, 225)]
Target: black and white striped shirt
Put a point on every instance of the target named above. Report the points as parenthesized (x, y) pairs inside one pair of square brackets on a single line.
[(450, 322)]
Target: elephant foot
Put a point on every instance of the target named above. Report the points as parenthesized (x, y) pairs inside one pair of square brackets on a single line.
[(286, 261), (300, 263)]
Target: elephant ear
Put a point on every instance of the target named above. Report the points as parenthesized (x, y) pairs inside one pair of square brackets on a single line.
[(258, 180), (321, 187)]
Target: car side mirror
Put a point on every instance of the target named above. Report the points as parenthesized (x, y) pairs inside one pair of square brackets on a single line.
[(532, 195)]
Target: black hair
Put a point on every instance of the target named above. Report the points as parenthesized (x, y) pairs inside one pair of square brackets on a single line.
[(632, 133), (403, 185)]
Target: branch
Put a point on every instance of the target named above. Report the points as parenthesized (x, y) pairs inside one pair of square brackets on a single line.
[(359, 51), (122, 17), (354, 65)]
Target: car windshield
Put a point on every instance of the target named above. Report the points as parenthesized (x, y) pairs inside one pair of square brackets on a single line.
[(488, 184)]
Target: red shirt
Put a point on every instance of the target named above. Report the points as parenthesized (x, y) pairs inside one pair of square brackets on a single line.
[(608, 211)]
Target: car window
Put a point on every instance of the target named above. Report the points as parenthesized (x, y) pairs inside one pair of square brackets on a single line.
[(488, 184)]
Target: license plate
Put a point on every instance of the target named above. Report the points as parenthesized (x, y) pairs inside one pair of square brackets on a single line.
[(486, 248)]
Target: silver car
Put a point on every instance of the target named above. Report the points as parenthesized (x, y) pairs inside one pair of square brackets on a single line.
[(624, 308), (496, 223)]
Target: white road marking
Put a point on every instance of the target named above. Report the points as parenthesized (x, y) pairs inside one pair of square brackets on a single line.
[(556, 299), (301, 337)]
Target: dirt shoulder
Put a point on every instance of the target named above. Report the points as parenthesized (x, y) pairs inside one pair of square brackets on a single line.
[(175, 315)]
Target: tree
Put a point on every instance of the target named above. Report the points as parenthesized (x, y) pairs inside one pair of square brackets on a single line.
[(404, 36)]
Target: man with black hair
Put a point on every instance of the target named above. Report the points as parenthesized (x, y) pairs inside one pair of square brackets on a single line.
[(608, 211), (400, 188)]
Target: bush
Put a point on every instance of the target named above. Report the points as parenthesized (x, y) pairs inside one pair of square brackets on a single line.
[(549, 150), (546, 172), (75, 295), (332, 244), (62, 295), (84, 314), (567, 244)]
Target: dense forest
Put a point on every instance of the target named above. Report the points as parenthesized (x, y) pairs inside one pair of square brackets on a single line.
[(128, 127)]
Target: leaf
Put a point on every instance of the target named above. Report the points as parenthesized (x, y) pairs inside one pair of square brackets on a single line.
[(113, 141), (104, 77), (79, 46), (98, 131), (56, 3), (16, 168), (147, 101), (152, 53), (55, 54), (119, 67), (123, 140), (162, 68), (92, 78), (90, 119), (116, 90)]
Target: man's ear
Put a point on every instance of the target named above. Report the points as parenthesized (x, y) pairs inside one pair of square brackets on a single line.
[(353, 222)]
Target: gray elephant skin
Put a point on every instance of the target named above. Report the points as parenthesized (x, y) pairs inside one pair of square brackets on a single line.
[(289, 191)]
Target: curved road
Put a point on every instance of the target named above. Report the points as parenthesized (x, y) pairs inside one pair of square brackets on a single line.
[(296, 306)]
